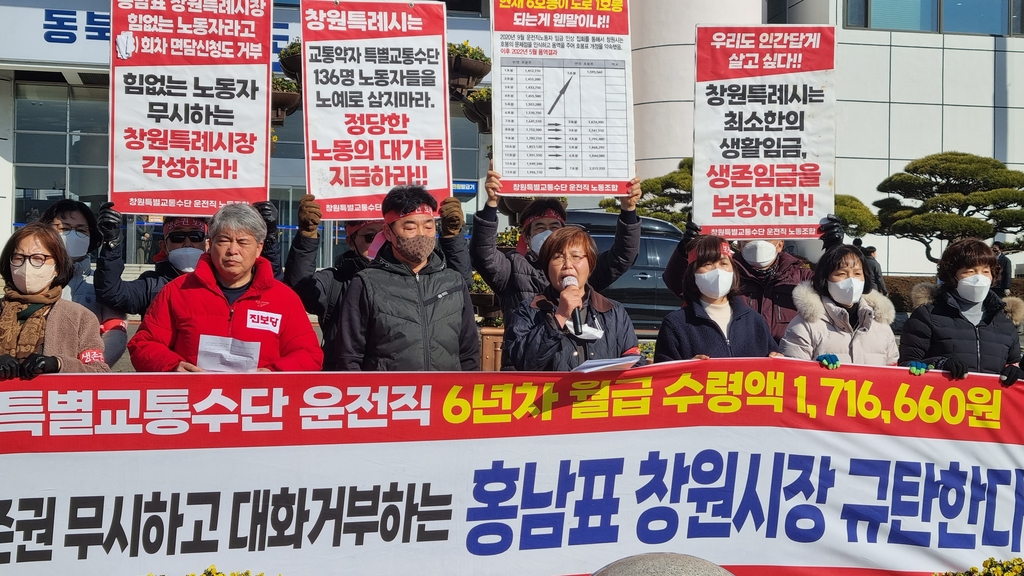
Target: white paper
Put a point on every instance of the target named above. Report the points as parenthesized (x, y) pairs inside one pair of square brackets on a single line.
[(622, 363), (220, 354)]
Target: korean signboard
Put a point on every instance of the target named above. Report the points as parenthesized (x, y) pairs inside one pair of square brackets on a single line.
[(375, 77), (563, 99), (764, 130), (860, 470), (189, 101)]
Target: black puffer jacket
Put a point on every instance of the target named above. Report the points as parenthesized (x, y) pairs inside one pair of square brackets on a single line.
[(392, 319), (515, 278), (938, 329), (322, 291), (539, 343)]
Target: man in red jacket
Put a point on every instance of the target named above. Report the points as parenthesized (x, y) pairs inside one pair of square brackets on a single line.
[(230, 315)]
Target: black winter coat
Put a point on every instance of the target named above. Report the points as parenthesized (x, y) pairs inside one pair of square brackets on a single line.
[(938, 329), (689, 331), (322, 290), (392, 319), (536, 342)]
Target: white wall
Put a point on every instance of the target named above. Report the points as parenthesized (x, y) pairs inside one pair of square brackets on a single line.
[(663, 34)]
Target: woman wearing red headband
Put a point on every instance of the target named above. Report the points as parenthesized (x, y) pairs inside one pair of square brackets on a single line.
[(713, 322)]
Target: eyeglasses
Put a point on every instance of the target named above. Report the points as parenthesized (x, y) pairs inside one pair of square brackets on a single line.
[(367, 238), (37, 260), (179, 237), (574, 259), (79, 233)]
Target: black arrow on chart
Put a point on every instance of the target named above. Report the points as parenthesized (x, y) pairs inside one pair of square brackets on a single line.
[(554, 155), (553, 124), (554, 168), (554, 138), (559, 97)]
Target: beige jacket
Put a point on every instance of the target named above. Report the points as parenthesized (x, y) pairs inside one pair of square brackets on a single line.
[(823, 327), (73, 335)]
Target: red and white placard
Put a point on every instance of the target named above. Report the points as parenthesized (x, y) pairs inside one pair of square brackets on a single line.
[(189, 105), (562, 97), (764, 130), (375, 77)]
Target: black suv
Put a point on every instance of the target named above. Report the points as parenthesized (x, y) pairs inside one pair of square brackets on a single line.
[(641, 290)]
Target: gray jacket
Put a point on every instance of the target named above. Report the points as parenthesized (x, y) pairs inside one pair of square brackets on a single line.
[(395, 320)]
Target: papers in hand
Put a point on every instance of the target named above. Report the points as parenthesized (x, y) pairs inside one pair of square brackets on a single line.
[(622, 363), (219, 354)]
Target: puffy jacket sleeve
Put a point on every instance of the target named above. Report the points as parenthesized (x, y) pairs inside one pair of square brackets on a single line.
[(798, 341), (535, 342), (350, 344), (150, 348), (131, 297), (617, 260), (628, 343), (300, 273), (456, 254), (299, 348), (469, 337), (114, 331), (674, 270), (272, 252), (87, 343), (916, 340), (492, 265)]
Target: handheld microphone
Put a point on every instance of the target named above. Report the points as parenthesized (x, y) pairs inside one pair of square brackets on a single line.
[(577, 322)]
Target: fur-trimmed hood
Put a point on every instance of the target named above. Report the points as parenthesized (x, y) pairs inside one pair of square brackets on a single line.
[(810, 305), (926, 292)]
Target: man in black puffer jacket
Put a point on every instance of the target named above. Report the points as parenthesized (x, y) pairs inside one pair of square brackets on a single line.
[(408, 311), (322, 291)]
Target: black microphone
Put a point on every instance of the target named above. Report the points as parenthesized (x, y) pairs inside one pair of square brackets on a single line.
[(577, 322)]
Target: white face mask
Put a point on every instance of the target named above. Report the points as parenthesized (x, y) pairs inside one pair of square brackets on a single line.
[(714, 284), (76, 243), (759, 253), (537, 240), (185, 258), (31, 280), (846, 292), (974, 288)]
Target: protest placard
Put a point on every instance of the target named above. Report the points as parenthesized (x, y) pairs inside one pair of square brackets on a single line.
[(860, 470), (189, 105), (764, 130), (375, 101), (563, 97)]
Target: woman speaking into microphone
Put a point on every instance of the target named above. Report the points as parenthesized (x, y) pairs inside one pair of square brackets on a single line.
[(568, 323)]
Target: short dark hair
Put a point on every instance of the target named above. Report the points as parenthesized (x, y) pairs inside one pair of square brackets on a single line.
[(966, 253), (541, 205), (868, 250), (997, 244), (565, 238), (832, 261), (857, 242), (67, 206), (706, 250), (53, 244), (405, 199)]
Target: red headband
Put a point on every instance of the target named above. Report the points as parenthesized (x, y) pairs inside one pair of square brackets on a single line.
[(390, 217), (352, 227), (549, 213), (723, 250), (176, 223)]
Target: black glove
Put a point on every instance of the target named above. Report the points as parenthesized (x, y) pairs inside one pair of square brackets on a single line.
[(831, 232), (8, 367), (1010, 374), (37, 364), (109, 222), (690, 232), (956, 367), (268, 211)]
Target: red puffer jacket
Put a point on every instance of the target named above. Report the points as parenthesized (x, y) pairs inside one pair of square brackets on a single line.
[(193, 305)]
